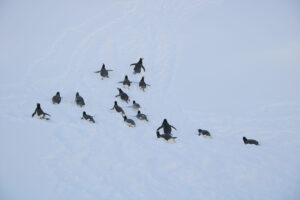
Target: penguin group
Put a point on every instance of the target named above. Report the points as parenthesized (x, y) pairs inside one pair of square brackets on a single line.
[(104, 73)]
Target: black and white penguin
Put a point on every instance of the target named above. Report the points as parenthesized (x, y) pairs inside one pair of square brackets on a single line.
[(118, 108), (87, 117), (104, 72), (138, 66), (141, 116), (250, 141), (166, 126), (129, 122), (167, 137), (204, 132), (56, 99), (79, 100), (126, 82), (40, 113), (123, 95), (142, 84), (135, 105)]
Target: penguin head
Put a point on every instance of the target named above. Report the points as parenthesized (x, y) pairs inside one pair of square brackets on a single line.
[(116, 103), (103, 66), (199, 130), (141, 59), (120, 90), (139, 112), (57, 93), (133, 101), (126, 77), (165, 121), (124, 117), (77, 94), (38, 105), (84, 113), (244, 139), (142, 79)]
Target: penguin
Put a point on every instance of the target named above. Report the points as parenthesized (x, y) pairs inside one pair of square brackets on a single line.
[(142, 84), (204, 132), (138, 66), (250, 141), (141, 116), (135, 105), (126, 82), (167, 137), (118, 108), (123, 95), (104, 72), (129, 122), (40, 113), (79, 100), (167, 127), (56, 99), (87, 117)]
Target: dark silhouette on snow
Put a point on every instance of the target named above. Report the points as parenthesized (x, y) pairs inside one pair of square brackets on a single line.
[(40, 113), (204, 132), (87, 117), (126, 81), (250, 141), (138, 66), (118, 108), (129, 122), (142, 84), (141, 116), (79, 100), (56, 99), (123, 95), (104, 72)]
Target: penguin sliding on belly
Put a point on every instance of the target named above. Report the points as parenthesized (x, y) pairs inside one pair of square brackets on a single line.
[(87, 117), (129, 122), (141, 116)]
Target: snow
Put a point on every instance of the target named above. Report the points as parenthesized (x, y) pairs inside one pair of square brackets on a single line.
[(229, 67)]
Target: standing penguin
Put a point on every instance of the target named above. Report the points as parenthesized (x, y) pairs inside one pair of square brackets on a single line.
[(118, 108), (142, 84), (166, 126), (56, 99), (141, 116), (79, 100), (40, 113), (126, 82), (123, 95), (138, 66), (87, 117), (104, 72)]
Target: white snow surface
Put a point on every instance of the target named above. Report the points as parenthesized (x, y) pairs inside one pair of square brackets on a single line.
[(231, 67)]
